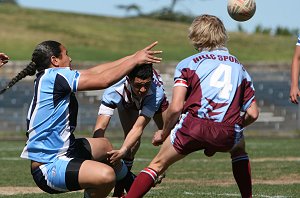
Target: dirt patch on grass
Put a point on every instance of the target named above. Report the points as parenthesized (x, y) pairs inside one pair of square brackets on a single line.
[(287, 180), (9, 190)]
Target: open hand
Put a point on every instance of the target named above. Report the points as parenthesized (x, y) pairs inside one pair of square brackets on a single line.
[(147, 56)]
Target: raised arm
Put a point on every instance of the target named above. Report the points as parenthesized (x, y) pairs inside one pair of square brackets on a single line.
[(104, 75)]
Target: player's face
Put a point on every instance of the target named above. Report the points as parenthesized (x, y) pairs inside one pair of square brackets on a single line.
[(64, 60), (140, 87)]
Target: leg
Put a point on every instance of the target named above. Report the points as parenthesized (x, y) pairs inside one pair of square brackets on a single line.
[(241, 168), (99, 148), (127, 118), (97, 178), (145, 180)]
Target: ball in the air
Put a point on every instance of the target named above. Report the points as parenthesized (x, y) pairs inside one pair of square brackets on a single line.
[(241, 10)]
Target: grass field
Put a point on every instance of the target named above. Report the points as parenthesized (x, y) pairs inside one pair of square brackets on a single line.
[(275, 168)]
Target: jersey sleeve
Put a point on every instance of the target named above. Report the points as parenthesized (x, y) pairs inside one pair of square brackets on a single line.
[(72, 77), (298, 41), (181, 74), (110, 101), (153, 102), (249, 94)]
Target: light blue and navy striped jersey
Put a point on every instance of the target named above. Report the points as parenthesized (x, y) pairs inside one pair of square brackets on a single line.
[(218, 86), (52, 114), (120, 94)]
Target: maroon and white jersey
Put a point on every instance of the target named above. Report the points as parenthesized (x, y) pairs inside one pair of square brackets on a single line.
[(218, 86)]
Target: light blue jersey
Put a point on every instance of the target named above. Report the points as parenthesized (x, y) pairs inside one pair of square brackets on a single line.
[(219, 77), (120, 96), (52, 115)]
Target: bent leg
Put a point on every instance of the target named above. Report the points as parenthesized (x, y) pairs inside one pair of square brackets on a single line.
[(145, 180), (99, 148), (97, 178), (241, 169)]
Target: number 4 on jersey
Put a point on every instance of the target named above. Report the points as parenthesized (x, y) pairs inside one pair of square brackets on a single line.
[(221, 78)]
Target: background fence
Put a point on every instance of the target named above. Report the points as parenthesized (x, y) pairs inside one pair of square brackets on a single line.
[(272, 92)]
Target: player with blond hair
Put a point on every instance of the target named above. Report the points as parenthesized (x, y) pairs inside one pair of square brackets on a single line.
[(213, 101)]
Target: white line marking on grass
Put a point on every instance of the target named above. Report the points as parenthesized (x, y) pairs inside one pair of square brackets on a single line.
[(263, 159), (214, 194), (12, 149), (234, 195), (10, 158)]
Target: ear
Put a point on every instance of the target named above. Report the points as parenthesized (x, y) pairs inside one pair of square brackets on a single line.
[(54, 61)]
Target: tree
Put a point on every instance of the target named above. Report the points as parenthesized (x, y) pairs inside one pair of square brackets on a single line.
[(131, 7), (14, 2)]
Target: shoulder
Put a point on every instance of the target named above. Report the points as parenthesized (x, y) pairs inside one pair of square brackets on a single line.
[(117, 89)]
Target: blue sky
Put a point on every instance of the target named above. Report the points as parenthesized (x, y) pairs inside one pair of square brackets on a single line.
[(269, 13)]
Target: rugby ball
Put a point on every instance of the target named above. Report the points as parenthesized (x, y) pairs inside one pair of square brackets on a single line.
[(241, 10)]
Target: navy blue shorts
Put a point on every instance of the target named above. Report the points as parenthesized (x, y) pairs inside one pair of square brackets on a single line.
[(61, 175)]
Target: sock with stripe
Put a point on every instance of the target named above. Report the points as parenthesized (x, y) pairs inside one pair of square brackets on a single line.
[(128, 162), (142, 183), (121, 175)]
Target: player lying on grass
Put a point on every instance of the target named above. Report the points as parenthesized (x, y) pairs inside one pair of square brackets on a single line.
[(59, 161), (211, 90), (138, 97)]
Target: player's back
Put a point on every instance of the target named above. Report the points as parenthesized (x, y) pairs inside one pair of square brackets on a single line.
[(217, 84)]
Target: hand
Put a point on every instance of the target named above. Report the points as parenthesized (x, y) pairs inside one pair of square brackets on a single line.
[(3, 59), (294, 94), (146, 55), (158, 138), (116, 155)]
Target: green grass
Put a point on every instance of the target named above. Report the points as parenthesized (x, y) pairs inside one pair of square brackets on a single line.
[(275, 166), (97, 38)]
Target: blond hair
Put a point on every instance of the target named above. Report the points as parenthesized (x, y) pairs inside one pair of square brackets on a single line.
[(207, 32)]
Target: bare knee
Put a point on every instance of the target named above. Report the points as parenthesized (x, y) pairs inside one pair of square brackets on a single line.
[(107, 177), (96, 175)]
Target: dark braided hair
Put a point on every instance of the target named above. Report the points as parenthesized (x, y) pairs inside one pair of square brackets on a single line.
[(41, 60)]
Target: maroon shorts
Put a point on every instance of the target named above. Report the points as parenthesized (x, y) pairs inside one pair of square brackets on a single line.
[(193, 134)]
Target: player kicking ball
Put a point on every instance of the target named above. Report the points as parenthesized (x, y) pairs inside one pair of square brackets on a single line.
[(211, 90)]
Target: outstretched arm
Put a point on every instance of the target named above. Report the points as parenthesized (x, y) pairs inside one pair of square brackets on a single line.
[(104, 75), (294, 91), (172, 114), (134, 134)]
